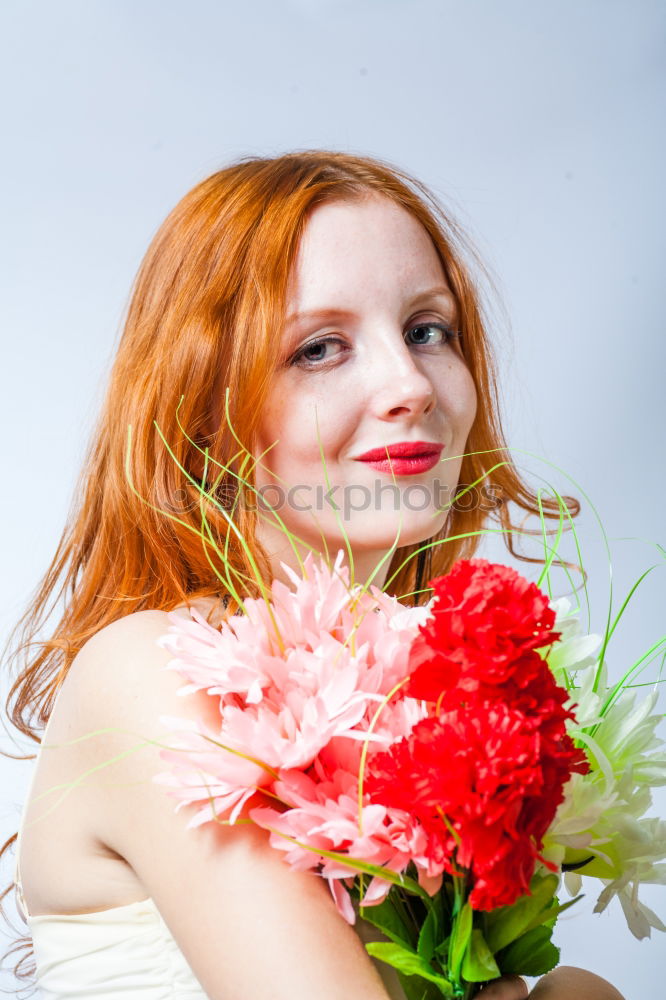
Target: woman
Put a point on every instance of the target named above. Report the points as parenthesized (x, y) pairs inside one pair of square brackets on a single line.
[(304, 310)]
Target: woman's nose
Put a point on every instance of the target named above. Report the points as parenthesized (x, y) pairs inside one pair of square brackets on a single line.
[(399, 386)]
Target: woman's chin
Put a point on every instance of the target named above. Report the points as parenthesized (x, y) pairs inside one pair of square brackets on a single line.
[(380, 530)]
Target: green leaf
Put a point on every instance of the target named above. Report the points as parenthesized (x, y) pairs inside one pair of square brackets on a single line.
[(442, 948), (507, 923), (533, 954), (416, 988), (478, 963), (385, 918), (428, 936), (462, 930), (407, 962), (552, 912)]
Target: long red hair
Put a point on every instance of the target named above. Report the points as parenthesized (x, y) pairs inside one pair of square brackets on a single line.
[(206, 311)]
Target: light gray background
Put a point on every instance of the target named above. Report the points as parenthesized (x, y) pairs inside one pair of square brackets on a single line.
[(539, 124)]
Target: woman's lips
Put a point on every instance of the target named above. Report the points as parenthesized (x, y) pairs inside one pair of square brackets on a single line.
[(408, 466)]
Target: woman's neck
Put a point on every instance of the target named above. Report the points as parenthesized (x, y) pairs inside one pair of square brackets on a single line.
[(361, 567)]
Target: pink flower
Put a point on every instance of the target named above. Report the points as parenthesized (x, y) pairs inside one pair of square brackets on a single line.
[(324, 814), (201, 772), (293, 679)]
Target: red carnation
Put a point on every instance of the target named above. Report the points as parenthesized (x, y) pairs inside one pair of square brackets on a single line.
[(484, 776), (484, 781), (485, 619)]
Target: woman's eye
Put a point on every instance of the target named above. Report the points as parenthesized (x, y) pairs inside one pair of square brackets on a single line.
[(314, 353), (442, 336), (305, 359)]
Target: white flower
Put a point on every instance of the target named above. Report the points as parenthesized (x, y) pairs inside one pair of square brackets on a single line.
[(603, 813), (574, 651)]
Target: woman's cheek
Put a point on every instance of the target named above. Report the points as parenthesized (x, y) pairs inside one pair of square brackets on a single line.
[(472, 402), (459, 399)]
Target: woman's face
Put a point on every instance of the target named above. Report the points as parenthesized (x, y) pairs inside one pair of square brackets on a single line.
[(368, 358)]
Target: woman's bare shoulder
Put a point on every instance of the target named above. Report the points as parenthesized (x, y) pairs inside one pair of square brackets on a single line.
[(122, 656), (128, 636), (125, 651), (120, 683)]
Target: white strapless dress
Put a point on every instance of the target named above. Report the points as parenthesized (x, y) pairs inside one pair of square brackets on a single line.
[(126, 951)]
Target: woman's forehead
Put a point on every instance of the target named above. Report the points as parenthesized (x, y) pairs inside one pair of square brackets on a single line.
[(351, 251)]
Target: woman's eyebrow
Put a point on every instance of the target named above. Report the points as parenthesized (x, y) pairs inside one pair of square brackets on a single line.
[(427, 293)]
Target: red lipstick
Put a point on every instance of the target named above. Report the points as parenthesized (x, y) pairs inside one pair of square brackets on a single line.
[(407, 458)]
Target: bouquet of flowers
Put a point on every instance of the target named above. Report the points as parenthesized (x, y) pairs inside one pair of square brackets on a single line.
[(440, 766)]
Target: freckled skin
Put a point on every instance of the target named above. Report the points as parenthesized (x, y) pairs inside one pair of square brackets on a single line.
[(378, 385)]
